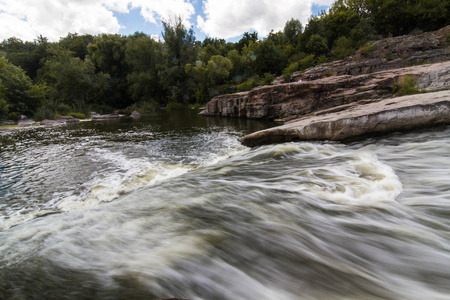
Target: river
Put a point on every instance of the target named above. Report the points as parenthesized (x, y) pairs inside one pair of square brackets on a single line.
[(171, 205)]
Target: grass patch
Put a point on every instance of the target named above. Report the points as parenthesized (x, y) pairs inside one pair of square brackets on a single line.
[(9, 126), (77, 115)]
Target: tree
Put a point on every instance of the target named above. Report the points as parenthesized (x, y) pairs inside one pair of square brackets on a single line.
[(401, 17), (269, 58), (17, 90), (180, 50), (292, 30), (339, 21), (316, 25), (74, 81), (107, 52), (143, 55), (207, 76), (317, 45), (246, 39), (77, 43), (27, 55)]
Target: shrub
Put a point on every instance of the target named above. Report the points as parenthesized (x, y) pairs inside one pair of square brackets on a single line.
[(287, 73), (307, 62), (45, 113), (171, 106), (267, 79), (143, 106), (77, 115), (406, 87), (61, 108), (367, 48), (343, 48)]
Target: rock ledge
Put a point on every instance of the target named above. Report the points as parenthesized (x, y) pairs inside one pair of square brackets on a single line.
[(359, 119)]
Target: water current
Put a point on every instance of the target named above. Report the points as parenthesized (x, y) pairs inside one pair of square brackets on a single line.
[(171, 205)]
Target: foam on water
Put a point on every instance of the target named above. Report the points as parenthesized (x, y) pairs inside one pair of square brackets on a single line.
[(289, 221)]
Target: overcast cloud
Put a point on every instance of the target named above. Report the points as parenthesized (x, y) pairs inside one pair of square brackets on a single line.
[(27, 19)]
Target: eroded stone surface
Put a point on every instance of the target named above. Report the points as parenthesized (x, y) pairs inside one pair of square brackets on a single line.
[(388, 115)]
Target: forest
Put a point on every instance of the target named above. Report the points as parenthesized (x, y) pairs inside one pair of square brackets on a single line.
[(110, 72)]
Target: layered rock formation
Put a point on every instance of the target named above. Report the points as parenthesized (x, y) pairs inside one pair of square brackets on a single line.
[(386, 54), (366, 78), (388, 115), (292, 100)]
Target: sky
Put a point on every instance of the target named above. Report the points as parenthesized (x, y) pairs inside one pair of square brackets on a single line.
[(225, 19)]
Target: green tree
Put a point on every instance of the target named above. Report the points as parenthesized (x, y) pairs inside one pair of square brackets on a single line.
[(27, 55), (17, 90), (77, 43), (74, 81), (4, 108), (292, 30), (179, 50), (107, 52), (143, 56), (207, 76), (342, 48), (401, 17), (339, 21), (317, 45), (269, 58), (316, 25), (246, 39)]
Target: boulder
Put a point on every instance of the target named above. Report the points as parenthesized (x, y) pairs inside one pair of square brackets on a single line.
[(24, 121), (135, 114)]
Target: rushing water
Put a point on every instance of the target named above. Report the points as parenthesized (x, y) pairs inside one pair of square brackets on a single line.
[(173, 206)]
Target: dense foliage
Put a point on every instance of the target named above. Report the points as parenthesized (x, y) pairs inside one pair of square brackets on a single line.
[(81, 73)]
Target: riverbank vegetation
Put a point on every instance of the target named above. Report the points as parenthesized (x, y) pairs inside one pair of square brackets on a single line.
[(83, 73)]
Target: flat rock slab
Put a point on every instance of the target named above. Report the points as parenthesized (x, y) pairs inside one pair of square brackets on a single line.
[(359, 119)]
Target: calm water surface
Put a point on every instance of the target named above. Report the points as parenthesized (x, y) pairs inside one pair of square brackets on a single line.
[(171, 205)]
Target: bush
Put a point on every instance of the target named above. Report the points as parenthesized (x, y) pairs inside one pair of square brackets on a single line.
[(287, 73), (45, 113), (367, 48), (406, 87), (343, 48), (143, 107), (267, 79), (61, 108), (307, 62), (77, 115), (171, 106)]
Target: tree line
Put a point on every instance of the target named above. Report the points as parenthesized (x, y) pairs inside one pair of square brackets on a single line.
[(107, 72)]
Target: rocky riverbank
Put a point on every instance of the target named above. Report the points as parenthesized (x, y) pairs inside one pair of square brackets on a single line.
[(318, 104), (357, 120)]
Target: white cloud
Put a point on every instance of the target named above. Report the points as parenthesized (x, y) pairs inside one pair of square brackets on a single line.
[(231, 18), (165, 10), (27, 19)]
